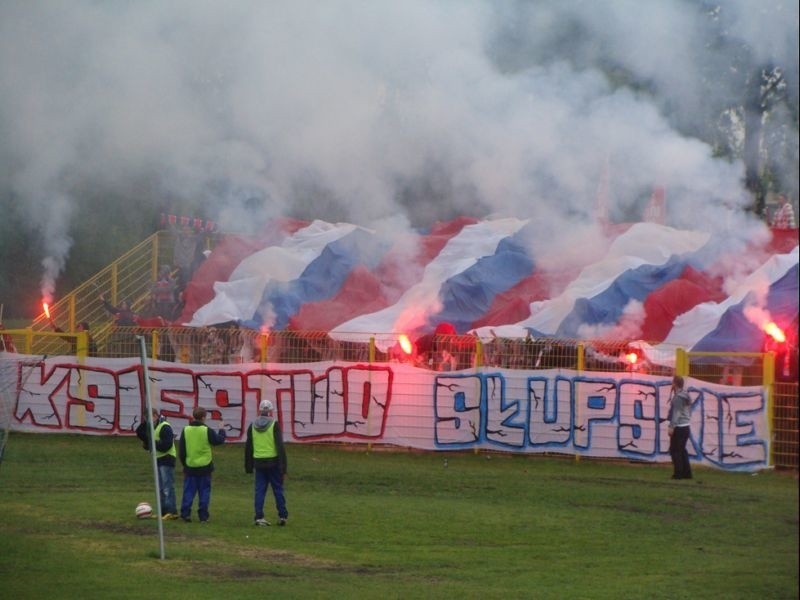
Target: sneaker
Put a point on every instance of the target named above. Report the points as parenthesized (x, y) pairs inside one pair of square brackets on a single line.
[(282, 521), (261, 522), (169, 517), (187, 519)]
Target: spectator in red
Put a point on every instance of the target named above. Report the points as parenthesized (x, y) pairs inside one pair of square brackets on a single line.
[(6, 343), (784, 216), (163, 294)]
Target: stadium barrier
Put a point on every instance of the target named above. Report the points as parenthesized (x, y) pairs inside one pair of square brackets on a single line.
[(232, 345), (440, 353)]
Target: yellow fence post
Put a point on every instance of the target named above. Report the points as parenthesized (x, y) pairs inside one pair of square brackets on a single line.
[(681, 362), (155, 347), (154, 259), (114, 283), (72, 312), (82, 345), (768, 376), (263, 347), (478, 361), (581, 366), (371, 361)]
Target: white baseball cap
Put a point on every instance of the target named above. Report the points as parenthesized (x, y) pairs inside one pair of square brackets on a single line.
[(265, 405)]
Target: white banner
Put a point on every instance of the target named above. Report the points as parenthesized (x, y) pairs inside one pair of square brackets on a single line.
[(613, 415)]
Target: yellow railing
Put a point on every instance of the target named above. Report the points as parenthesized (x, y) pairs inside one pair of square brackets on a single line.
[(129, 277)]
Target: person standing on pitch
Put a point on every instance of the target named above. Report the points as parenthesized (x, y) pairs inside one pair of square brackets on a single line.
[(265, 453), (680, 414), (194, 450), (165, 460)]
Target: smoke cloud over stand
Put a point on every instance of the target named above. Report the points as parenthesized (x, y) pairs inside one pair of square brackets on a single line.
[(374, 113)]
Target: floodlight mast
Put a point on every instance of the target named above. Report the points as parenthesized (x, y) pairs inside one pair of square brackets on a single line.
[(152, 435)]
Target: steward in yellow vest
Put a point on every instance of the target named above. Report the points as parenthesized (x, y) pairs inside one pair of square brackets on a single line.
[(194, 450), (165, 459), (265, 453)]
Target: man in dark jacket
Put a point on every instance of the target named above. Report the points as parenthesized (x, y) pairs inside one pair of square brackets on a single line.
[(165, 460), (91, 350), (265, 453), (121, 342), (194, 450)]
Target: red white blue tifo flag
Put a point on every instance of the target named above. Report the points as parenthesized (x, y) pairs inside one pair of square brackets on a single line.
[(642, 281)]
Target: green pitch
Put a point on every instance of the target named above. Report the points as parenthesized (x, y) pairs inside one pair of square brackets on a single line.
[(393, 525)]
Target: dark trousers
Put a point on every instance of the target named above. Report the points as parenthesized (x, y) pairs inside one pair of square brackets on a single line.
[(264, 478), (201, 486), (682, 469)]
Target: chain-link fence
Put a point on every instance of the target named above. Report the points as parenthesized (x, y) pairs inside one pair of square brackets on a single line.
[(785, 447), (233, 345), (756, 368)]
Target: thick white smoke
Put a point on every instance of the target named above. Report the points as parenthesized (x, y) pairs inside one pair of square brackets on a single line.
[(370, 112)]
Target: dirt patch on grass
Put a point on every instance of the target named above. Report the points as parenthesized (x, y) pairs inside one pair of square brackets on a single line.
[(236, 562), (117, 527)]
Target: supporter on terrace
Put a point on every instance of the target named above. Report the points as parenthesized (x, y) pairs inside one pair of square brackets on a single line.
[(187, 252), (91, 349), (6, 343), (121, 343), (123, 314), (784, 216), (163, 294), (213, 349), (445, 360)]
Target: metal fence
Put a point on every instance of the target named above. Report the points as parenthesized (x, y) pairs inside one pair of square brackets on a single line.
[(756, 368), (785, 446), (130, 277), (232, 345)]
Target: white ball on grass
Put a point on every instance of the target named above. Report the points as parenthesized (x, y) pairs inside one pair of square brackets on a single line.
[(143, 510)]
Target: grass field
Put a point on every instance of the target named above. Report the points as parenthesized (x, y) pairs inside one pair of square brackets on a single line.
[(393, 525)]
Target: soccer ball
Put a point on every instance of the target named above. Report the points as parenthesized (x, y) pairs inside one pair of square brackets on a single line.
[(143, 510)]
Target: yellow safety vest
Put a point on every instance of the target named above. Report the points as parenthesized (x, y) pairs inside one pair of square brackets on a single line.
[(198, 449), (172, 451), (264, 443)]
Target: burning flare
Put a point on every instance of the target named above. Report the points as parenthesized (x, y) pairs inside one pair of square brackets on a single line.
[(46, 308), (405, 343), (632, 357), (775, 332)]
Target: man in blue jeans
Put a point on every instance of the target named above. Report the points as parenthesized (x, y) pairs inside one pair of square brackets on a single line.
[(680, 416), (165, 459), (265, 453), (194, 450)]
